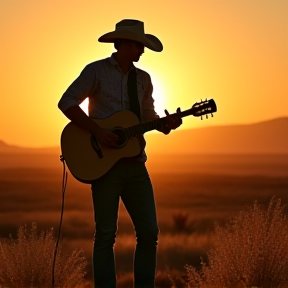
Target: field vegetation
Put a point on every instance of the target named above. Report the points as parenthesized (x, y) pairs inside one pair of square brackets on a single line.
[(27, 260), (192, 198)]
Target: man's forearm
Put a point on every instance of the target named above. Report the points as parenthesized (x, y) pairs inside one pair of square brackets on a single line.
[(78, 117)]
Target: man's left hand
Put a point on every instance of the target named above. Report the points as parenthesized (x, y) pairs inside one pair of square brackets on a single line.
[(172, 121)]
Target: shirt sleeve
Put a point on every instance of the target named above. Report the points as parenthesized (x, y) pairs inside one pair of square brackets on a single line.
[(80, 89), (148, 108)]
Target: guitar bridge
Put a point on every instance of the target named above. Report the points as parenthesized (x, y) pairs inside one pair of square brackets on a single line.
[(96, 147)]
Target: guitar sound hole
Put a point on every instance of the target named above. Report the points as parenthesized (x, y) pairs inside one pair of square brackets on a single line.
[(120, 132)]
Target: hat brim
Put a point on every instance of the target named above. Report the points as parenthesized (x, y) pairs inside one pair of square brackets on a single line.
[(148, 40)]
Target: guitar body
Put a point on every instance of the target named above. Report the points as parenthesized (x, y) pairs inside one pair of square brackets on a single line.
[(87, 159)]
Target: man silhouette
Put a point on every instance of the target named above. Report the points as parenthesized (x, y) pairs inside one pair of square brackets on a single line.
[(115, 84)]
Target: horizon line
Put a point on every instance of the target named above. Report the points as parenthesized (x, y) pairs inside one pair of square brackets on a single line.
[(185, 129)]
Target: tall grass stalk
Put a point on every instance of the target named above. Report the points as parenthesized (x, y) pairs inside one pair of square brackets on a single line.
[(27, 261), (252, 250)]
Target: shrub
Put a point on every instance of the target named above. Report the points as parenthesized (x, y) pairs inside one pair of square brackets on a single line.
[(252, 250), (27, 261), (177, 279), (180, 221)]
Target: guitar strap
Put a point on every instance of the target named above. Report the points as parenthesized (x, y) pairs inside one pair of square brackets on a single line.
[(133, 93)]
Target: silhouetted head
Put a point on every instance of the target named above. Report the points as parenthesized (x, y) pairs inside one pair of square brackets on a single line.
[(130, 49)]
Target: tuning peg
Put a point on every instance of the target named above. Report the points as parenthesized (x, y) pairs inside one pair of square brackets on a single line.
[(206, 116), (212, 115), (201, 117)]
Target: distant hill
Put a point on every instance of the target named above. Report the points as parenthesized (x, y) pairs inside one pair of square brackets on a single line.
[(264, 137), (17, 157), (12, 149)]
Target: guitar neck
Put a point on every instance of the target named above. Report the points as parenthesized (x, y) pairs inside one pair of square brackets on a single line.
[(152, 125), (198, 109)]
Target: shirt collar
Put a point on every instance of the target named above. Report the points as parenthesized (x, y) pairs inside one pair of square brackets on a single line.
[(112, 60)]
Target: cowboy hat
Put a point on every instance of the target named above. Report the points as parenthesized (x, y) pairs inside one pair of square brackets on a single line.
[(132, 30)]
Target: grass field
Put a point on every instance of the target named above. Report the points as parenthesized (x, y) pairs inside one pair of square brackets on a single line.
[(205, 189)]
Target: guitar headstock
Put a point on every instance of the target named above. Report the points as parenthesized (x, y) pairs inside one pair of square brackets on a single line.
[(204, 108)]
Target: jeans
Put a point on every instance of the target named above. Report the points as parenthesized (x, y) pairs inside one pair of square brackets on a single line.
[(130, 181)]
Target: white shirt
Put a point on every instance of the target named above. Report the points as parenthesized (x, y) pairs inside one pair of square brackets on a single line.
[(106, 86)]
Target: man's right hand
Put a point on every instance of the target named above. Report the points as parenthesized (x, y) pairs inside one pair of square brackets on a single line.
[(106, 137)]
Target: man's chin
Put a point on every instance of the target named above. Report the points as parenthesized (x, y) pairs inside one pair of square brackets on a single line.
[(136, 59)]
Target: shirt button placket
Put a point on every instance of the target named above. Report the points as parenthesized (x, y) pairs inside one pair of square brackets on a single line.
[(123, 92)]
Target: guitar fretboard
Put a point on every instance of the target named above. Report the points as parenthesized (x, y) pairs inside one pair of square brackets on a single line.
[(152, 125), (198, 109), (144, 127)]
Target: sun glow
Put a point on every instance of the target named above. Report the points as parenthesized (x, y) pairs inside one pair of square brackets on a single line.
[(158, 96), (84, 105)]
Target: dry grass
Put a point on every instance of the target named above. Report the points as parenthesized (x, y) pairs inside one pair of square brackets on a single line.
[(250, 251), (27, 261), (163, 279), (174, 250)]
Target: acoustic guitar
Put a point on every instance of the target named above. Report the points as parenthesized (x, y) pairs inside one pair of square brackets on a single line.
[(88, 160)]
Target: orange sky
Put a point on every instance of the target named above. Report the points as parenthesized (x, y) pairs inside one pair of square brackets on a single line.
[(234, 51)]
